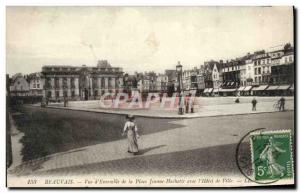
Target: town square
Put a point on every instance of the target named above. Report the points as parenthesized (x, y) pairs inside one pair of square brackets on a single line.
[(137, 103)]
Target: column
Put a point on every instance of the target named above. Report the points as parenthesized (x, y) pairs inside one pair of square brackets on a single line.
[(113, 84), (76, 82), (91, 86), (69, 86), (61, 94), (52, 88), (106, 83), (99, 86)]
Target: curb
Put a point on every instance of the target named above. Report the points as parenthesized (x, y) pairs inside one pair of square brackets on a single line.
[(158, 117)]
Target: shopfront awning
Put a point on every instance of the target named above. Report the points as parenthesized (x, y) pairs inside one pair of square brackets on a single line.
[(208, 90), (247, 88), (273, 87), (227, 90), (261, 87), (241, 88), (283, 87), (216, 90)]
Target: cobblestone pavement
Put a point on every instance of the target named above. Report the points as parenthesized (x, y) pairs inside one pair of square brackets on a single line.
[(205, 107), (200, 146)]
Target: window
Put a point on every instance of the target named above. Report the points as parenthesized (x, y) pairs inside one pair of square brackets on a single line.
[(95, 83), (258, 62), (56, 83), (259, 71), (285, 59), (65, 83), (255, 63), (33, 85), (255, 79), (255, 71), (72, 83), (56, 94), (102, 82), (38, 85), (291, 58)]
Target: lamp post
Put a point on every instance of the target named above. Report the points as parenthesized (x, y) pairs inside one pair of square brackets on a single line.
[(179, 77)]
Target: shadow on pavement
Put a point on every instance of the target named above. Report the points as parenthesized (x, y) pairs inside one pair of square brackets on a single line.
[(204, 161), (48, 131), (143, 151)]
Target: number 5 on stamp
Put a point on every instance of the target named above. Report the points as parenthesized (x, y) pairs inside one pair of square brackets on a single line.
[(271, 155)]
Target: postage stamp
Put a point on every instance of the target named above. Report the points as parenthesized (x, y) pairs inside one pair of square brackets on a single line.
[(271, 153)]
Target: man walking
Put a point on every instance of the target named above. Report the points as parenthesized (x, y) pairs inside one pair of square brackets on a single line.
[(281, 103), (254, 102)]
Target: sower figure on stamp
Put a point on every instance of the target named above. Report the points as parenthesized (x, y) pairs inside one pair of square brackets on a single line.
[(131, 129), (274, 169), (254, 102)]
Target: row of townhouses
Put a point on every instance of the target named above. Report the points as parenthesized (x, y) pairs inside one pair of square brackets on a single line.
[(260, 73)]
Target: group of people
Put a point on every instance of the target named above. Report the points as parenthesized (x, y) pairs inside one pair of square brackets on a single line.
[(186, 104), (280, 104)]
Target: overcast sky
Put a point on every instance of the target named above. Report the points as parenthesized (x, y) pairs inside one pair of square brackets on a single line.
[(140, 38)]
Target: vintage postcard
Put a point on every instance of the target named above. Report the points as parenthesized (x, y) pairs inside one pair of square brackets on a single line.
[(150, 96)]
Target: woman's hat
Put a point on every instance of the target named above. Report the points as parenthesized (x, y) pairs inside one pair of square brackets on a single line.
[(130, 116)]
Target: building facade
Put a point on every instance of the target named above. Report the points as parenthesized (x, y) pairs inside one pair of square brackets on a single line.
[(189, 79), (19, 85), (162, 83), (36, 84), (81, 83)]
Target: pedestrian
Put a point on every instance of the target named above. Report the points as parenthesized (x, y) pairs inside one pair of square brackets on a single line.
[(191, 100), (187, 104), (237, 100), (281, 103), (131, 129), (65, 102), (181, 104), (254, 102)]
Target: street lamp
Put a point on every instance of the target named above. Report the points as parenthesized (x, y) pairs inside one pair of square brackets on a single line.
[(179, 74)]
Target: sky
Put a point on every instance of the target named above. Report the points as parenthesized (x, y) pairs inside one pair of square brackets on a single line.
[(139, 38)]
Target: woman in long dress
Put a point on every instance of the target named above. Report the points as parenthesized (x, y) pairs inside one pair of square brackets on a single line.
[(131, 129)]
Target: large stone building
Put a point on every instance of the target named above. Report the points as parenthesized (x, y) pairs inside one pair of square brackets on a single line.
[(82, 82)]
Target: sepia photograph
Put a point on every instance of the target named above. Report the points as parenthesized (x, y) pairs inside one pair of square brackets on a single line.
[(150, 96)]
